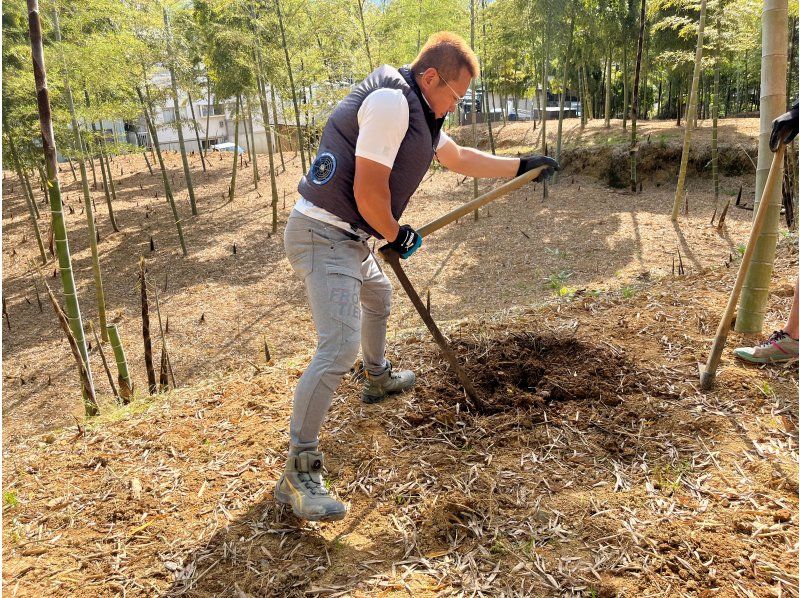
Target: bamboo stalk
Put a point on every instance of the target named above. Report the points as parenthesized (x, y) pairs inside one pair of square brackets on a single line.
[(148, 347), (111, 184), (167, 188), (90, 402), (267, 129), (248, 148), (98, 278), (253, 156), (106, 187), (232, 187), (178, 119), (275, 120), (635, 102), (291, 85), (690, 114), (563, 94), (108, 183), (72, 168), (105, 362), (164, 340), (32, 210), (473, 115), (196, 131), (715, 107), (607, 122), (772, 103), (123, 377), (30, 189), (163, 379), (147, 160), (73, 312)]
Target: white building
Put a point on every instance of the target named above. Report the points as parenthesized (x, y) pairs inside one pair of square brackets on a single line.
[(218, 116)]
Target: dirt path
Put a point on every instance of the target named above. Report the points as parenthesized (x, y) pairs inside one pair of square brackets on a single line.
[(222, 306)]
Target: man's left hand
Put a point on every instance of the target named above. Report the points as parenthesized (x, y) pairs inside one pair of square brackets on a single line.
[(784, 129), (535, 161), (407, 242)]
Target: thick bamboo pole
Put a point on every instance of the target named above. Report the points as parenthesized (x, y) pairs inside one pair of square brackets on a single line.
[(73, 313), (774, 36)]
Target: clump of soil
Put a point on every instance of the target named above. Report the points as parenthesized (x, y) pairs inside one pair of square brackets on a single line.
[(527, 370)]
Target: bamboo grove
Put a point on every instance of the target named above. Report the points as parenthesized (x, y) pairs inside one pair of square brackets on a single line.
[(111, 60)]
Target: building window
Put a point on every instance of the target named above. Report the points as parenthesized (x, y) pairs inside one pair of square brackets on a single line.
[(168, 115), (216, 110)]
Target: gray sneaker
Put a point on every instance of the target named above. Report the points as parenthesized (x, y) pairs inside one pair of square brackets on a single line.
[(376, 388), (302, 487), (778, 347)]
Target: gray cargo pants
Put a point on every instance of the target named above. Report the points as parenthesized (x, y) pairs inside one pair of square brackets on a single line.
[(350, 299)]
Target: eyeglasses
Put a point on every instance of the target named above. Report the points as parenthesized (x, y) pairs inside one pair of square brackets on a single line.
[(457, 97)]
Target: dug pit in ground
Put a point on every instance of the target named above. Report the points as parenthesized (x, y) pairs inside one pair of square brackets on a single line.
[(529, 371)]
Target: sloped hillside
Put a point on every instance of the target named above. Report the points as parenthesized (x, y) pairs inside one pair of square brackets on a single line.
[(601, 470)]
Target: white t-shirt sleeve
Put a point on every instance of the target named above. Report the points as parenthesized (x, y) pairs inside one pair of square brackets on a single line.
[(382, 125), (444, 138)]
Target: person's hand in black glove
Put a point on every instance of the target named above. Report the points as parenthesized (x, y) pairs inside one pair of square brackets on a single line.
[(407, 242), (535, 161), (784, 129)]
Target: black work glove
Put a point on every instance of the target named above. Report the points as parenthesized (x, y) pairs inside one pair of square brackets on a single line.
[(784, 129), (535, 161), (407, 242)]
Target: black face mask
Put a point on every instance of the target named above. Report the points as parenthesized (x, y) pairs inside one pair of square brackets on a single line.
[(434, 124)]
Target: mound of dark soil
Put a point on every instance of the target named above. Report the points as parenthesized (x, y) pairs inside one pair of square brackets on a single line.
[(529, 371)]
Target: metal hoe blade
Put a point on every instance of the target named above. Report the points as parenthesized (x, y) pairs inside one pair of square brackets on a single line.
[(393, 260)]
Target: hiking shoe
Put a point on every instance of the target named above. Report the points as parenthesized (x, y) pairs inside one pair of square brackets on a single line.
[(302, 487), (778, 347), (376, 388)]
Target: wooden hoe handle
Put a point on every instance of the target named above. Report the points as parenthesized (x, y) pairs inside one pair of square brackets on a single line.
[(709, 372), (478, 202)]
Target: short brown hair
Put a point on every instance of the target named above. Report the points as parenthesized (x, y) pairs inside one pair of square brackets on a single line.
[(447, 53)]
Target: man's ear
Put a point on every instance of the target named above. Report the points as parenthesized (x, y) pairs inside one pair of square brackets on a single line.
[(428, 76)]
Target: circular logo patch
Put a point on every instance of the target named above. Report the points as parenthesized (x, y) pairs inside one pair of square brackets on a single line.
[(323, 168)]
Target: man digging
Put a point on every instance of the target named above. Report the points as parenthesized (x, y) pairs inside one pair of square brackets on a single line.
[(375, 149)]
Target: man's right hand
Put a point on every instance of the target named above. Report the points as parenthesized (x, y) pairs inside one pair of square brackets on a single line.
[(407, 242), (535, 161), (784, 129)]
